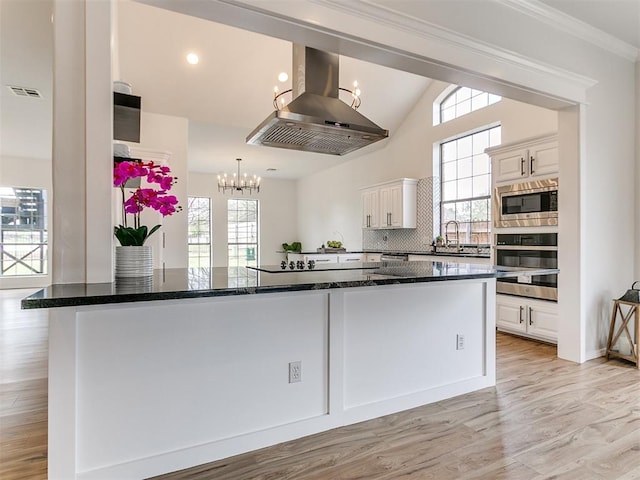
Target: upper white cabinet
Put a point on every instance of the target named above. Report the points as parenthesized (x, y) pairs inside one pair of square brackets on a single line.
[(370, 208), (390, 205), (537, 157)]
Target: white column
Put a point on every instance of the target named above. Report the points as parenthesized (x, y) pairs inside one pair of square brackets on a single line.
[(81, 210)]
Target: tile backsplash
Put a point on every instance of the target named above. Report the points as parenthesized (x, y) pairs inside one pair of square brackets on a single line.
[(411, 239)]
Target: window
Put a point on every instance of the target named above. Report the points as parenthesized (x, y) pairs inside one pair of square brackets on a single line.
[(466, 186), (464, 100), (23, 231), (199, 232), (242, 237)]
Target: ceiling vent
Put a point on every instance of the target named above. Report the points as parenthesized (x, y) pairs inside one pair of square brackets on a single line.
[(24, 92)]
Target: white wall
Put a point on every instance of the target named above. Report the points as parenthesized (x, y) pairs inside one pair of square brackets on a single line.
[(169, 134), (278, 208), (330, 200), (33, 173)]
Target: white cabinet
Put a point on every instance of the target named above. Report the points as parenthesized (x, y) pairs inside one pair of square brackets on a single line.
[(372, 257), (370, 208), (528, 317), (390, 205), (536, 157), (322, 258), (351, 258)]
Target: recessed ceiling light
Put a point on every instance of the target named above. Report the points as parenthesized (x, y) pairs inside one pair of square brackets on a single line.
[(192, 58), (283, 77)]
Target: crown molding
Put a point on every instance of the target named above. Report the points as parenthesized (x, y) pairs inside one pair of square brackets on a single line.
[(418, 27), (579, 29)]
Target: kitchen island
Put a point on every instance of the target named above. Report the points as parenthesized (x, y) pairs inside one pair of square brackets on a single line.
[(197, 365)]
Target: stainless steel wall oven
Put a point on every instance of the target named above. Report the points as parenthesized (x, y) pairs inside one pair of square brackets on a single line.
[(529, 204), (535, 250)]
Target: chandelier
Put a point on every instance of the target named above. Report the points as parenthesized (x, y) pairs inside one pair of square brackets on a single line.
[(238, 183)]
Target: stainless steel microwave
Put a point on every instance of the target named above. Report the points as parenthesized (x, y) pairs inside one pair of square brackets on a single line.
[(528, 204)]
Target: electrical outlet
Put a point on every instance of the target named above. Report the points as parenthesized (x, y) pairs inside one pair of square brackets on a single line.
[(459, 342), (295, 372)]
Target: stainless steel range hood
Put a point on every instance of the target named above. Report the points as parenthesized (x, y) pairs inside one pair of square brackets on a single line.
[(316, 120)]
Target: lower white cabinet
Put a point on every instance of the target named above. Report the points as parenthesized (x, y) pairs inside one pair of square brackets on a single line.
[(528, 317), (372, 257), (351, 258)]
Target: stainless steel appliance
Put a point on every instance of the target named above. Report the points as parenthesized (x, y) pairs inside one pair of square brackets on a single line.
[(529, 204), (394, 257), (532, 250)]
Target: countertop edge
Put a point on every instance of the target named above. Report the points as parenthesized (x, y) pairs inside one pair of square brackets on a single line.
[(36, 303)]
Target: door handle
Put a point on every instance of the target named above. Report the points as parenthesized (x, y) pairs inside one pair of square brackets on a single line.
[(521, 310), (531, 170), (522, 166), (530, 319)]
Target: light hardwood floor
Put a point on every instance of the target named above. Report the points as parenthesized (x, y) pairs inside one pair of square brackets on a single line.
[(546, 419), (23, 389)]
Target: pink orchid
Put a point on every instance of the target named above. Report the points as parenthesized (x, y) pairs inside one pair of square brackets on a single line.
[(141, 198)]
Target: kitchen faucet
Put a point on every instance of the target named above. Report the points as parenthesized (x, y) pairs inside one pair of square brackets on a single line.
[(446, 234)]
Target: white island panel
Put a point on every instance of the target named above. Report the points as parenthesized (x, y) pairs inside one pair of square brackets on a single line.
[(166, 376)]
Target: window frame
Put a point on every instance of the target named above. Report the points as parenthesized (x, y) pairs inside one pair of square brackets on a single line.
[(468, 231), (209, 244), (238, 266), (457, 100)]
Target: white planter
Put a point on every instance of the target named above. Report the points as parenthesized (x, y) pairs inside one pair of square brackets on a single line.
[(134, 262)]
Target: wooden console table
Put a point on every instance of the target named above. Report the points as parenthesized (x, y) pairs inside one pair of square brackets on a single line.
[(619, 307)]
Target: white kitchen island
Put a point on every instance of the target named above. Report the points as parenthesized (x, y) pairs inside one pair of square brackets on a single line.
[(190, 369)]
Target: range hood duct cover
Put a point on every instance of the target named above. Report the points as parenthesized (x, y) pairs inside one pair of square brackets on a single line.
[(316, 120)]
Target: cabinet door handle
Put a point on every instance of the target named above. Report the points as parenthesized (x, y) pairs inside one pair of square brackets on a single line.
[(389, 219), (322, 260), (530, 317), (521, 310), (531, 170), (522, 172)]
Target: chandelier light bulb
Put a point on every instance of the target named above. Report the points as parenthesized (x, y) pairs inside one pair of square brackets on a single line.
[(275, 89), (283, 77)]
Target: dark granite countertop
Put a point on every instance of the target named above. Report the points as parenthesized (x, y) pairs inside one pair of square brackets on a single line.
[(195, 283)]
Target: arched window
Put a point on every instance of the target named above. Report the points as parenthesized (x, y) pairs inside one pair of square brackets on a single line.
[(464, 100)]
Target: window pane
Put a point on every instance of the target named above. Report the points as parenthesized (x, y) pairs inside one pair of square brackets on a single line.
[(449, 171), (481, 186), (463, 108), (448, 212), (463, 93), (23, 231), (463, 211), (449, 151), (464, 188), (480, 142), (465, 168), (199, 232), (449, 191), (464, 147), (242, 233)]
